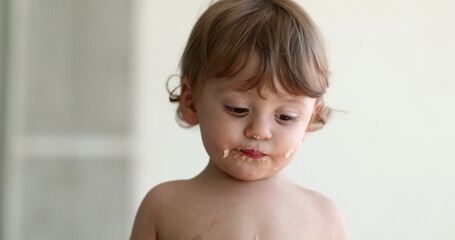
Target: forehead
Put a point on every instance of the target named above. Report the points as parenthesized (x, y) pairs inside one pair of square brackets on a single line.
[(231, 92), (248, 75), (240, 84)]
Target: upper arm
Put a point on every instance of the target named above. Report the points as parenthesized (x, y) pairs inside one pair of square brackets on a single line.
[(339, 229), (333, 223), (152, 211), (336, 224), (144, 226)]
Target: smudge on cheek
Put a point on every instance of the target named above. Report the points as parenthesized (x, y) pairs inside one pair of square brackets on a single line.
[(288, 153), (226, 153)]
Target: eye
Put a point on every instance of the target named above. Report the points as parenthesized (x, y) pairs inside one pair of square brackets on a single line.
[(285, 118), (236, 111)]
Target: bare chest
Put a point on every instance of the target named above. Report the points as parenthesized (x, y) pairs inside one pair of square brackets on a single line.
[(231, 218)]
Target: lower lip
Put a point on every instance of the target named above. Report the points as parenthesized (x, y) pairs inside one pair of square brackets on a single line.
[(253, 155)]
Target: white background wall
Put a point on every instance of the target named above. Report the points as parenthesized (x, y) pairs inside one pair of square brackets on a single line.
[(388, 163), (64, 119)]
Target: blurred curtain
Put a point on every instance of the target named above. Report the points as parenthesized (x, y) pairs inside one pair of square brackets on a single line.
[(3, 57), (67, 160)]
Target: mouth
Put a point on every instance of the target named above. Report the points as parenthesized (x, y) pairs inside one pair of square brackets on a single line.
[(251, 153)]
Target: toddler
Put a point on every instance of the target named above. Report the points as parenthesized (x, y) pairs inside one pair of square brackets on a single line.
[(253, 75)]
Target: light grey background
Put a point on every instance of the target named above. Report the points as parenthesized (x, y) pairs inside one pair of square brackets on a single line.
[(66, 113), (3, 57), (388, 163)]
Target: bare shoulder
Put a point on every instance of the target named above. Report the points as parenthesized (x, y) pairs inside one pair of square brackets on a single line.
[(329, 214), (152, 208)]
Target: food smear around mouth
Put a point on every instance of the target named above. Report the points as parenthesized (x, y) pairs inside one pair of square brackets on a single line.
[(252, 153), (288, 153), (226, 153), (241, 157)]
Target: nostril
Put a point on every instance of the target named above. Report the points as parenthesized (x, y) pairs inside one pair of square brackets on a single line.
[(258, 129), (263, 137)]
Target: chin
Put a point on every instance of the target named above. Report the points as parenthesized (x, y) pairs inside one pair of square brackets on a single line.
[(245, 176), (245, 170)]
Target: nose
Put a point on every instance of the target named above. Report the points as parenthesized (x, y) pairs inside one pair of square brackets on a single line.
[(258, 129)]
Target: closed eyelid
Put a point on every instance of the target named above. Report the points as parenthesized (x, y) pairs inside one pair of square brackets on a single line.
[(236, 110), (288, 112), (286, 117)]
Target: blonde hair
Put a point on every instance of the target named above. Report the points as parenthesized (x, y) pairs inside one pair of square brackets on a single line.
[(280, 32)]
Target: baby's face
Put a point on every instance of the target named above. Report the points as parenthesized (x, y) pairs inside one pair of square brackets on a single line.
[(248, 136)]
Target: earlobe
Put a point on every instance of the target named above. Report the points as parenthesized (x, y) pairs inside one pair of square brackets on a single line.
[(187, 106)]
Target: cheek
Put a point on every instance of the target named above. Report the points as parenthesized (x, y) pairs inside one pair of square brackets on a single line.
[(217, 136), (287, 152), (287, 145), (289, 137)]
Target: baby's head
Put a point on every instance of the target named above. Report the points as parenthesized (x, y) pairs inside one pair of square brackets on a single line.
[(252, 59)]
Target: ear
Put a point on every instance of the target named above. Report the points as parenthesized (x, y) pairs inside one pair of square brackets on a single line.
[(187, 106), (317, 107)]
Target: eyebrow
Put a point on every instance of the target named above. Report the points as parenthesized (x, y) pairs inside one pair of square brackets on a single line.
[(288, 98), (296, 101), (228, 85)]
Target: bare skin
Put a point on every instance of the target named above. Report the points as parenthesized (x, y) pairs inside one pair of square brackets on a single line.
[(213, 205), (243, 193)]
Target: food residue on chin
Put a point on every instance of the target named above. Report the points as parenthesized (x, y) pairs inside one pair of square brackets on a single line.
[(226, 153)]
